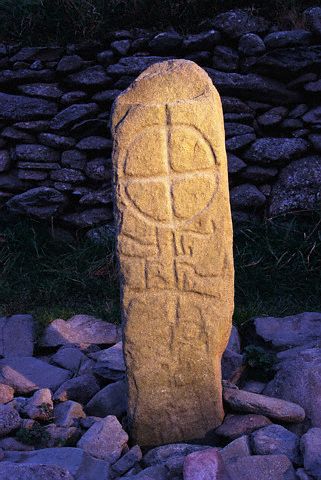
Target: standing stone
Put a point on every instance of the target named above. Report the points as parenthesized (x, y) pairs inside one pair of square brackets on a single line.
[(175, 250)]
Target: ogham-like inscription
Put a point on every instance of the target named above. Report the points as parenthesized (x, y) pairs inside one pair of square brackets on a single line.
[(175, 250)]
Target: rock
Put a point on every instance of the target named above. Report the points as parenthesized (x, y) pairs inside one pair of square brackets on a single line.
[(313, 116), (239, 447), (234, 342), (79, 330), (91, 77), (67, 413), (275, 151), (231, 364), (291, 331), (225, 59), (73, 97), (33, 126), (27, 374), (289, 61), (302, 475), (133, 65), (59, 436), (257, 174), (274, 408), (69, 64), (73, 159), (9, 470), (315, 139), (36, 153), (105, 439), (4, 160), (303, 389), (9, 420), (9, 78), (290, 38), (121, 47), (104, 197), (237, 129), (254, 386), (165, 43), (106, 57), (111, 400), (98, 169), (45, 54), (40, 202), (127, 461), (17, 335), (263, 467), (18, 108), (107, 96), (40, 405), (206, 464), (312, 17), (11, 444), (297, 187), (88, 218), (234, 105), (272, 117), (16, 135), (246, 196), (251, 44), (276, 440), (251, 86), (236, 23), (195, 371), (94, 143), (73, 114), (151, 473), (42, 90), (80, 465), (311, 448), (56, 141), (235, 164), (69, 357), (201, 41), (68, 175), (161, 455), (6, 393), (80, 389), (110, 362), (235, 426), (239, 142)]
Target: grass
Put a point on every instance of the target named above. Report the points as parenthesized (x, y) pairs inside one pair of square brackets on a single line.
[(43, 21), (277, 271)]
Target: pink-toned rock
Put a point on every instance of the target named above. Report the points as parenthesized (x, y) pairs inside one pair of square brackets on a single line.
[(6, 393), (235, 426), (205, 465)]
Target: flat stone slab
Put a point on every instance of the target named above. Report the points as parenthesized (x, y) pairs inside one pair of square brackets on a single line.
[(27, 374), (235, 426), (206, 465), (274, 408), (80, 330), (10, 471), (20, 108), (16, 336), (261, 467)]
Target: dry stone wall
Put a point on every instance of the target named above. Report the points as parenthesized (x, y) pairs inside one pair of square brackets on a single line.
[(55, 104)]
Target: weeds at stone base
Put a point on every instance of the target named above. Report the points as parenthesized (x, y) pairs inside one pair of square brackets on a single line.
[(277, 271)]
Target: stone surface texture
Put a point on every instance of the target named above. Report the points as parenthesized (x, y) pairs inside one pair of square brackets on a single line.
[(175, 250)]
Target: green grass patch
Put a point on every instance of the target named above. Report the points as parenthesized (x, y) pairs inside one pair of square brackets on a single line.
[(277, 271)]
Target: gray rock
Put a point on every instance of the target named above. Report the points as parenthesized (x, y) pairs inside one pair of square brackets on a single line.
[(252, 86), (105, 439), (263, 467), (298, 187), (231, 364), (56, 141), (40, 405), (225, 59), (6, 393), (313, 87), (291, 331), (237, 143), (110, 362), (28, 54), (36, 153), (38, 166), (312, 18), (234, 105), (67, 413), (8, 78), (257, 174), (57, 436), (17, 335), (289, 61), (99, 169), (235, 426), (16, 135), (69, 357), (10, 471), (236, 23), (313, 116), (276, 440), (158, 472), (89, 218), (315, 139), (161, 455), (121, 47), (42, 90), (67, 175), (290, 38), (303, 389), (133, 65), (205, 464), (111, 400), (246, 196), (94, 143), (80, 389), (165, 43), (235, 164), (69, 64), (201, 41), (9, 420), (254, 386), (251, 44), (27, 374), (12, 444), (91, 77), (73, 114), (298, 111), (240, 447), (73, 159), (106, 97), (41, 202), (106, 57), (80, 465), (18, 108), (234, 342), (302, 475), (73, 97), (275, 151), (33, 125), (311, 448), (272, 117), (127, 461), (102, 197), (80, 330), (5, 161)]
